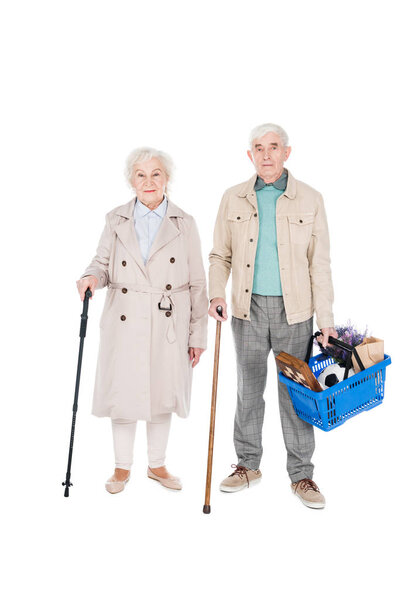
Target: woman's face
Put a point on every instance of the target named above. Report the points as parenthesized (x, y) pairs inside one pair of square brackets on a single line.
[(149, 179)]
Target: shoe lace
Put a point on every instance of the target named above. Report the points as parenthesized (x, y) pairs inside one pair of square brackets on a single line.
[(307, 484), (240, 471)]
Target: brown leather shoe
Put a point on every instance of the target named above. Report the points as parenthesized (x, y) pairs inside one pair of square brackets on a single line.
[(241, 478), (308, 492)]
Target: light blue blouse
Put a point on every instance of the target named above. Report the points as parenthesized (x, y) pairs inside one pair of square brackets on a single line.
[(147, 223)]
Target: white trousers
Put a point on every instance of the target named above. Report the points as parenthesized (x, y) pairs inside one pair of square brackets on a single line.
[(157, 439)]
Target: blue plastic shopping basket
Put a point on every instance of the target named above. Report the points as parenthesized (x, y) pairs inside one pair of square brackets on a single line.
[(332, 407)]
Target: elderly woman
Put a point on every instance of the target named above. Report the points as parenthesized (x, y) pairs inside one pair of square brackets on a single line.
[(153, 327)]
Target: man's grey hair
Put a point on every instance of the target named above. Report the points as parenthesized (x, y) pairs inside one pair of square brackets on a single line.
[(146, 153), (261, 130)]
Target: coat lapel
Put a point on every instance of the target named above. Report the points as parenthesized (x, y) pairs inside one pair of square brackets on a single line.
[(168, 231), (127, 234)]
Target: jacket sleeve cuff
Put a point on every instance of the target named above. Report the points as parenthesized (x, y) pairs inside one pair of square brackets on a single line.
[(325, 321), (216, 292)]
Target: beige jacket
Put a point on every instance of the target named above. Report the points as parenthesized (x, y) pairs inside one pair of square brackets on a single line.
[(143, 367), (303, 251)]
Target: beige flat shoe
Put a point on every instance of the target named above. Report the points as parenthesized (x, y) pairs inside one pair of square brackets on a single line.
[(173, 483), (114, 487)]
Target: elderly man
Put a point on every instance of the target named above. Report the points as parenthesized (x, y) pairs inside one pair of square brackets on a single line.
[(271, 231)]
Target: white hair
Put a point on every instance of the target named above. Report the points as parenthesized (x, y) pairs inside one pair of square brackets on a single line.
[(261, 130), (146, 153)]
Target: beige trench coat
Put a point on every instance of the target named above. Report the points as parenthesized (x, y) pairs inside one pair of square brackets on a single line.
[(152, 314)]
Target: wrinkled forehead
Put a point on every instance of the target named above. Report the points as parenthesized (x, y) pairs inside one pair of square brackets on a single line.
[(270, 138), (148, 166)]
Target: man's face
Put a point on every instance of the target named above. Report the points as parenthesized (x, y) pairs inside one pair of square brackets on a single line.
[(268, 155)]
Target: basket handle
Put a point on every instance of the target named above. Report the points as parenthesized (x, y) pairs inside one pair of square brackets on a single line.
[(340, 344)]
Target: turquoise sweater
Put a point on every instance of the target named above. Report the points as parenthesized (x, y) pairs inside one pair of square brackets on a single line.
[(267, 280)]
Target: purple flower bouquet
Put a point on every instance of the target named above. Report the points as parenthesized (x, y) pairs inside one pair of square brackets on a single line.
[(347, 333)]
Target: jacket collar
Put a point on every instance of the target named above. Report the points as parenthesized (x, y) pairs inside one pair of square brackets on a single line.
[(246, 190), (279, 184)]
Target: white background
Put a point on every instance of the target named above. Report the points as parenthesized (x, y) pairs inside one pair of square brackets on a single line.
[(84, 83)]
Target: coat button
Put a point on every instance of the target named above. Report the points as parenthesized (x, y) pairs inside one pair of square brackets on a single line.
[(301, 220), (123, 317), (246, 290), (255, 214), (124, 290), (238, 218), (168, 286), (172, 259), (245, 316), (124, 263), (251, 239), (168, 313), (248, 265)]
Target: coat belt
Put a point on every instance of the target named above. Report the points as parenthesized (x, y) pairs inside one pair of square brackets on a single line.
[(167, 297)]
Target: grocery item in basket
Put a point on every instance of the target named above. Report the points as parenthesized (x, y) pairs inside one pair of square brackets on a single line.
[(370, 351), (332, 375), (346, 333), (298, 371)]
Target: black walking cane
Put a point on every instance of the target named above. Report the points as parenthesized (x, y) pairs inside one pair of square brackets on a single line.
[(84, 317), (207, 506)]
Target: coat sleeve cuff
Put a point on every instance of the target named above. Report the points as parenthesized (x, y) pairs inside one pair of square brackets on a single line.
[(197, 342), (101, 276)]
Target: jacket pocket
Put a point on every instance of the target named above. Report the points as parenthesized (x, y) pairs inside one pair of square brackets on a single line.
[(239, 216), (240, 226), (300, 228)]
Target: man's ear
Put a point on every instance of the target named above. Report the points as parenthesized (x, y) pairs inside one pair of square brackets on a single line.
[(250, 155), (288, 151)]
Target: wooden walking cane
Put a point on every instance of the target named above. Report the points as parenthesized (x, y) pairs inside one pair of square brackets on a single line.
[(82, 334), (207, 506)]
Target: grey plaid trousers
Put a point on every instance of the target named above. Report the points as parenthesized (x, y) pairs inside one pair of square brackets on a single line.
[(254, 339)]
